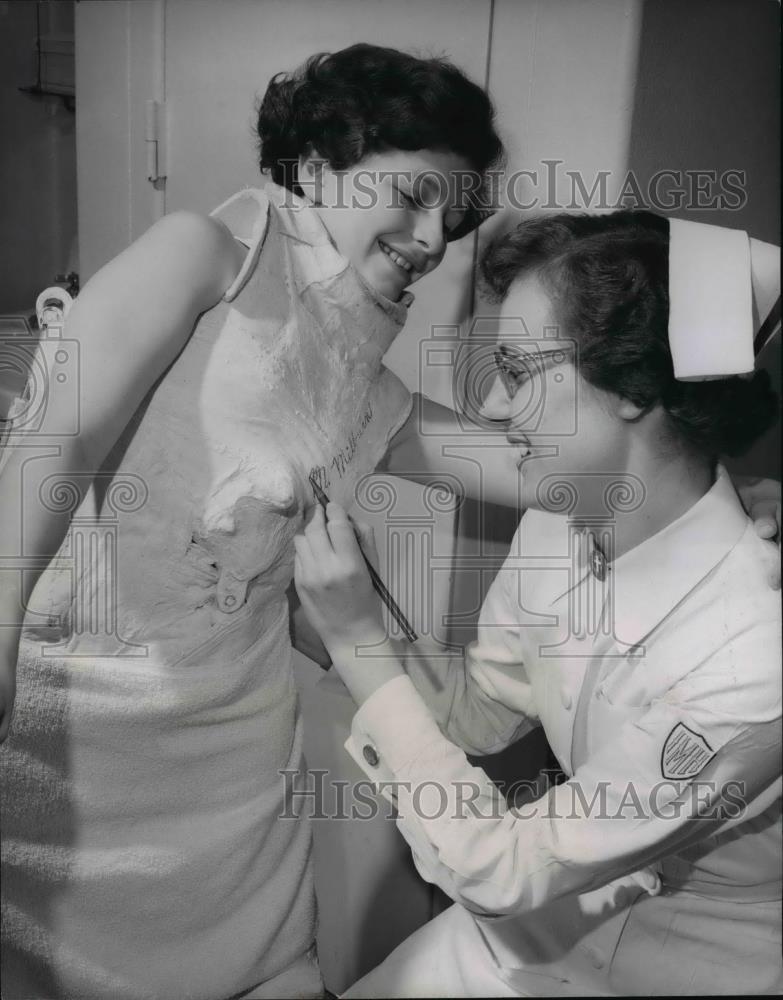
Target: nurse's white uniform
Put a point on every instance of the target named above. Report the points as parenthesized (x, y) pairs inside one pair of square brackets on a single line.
[(660, 693)]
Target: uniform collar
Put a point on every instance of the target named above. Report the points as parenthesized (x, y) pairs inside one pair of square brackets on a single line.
[(648, 581), (655, 576)]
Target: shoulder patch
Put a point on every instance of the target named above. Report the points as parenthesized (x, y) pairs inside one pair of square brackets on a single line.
[(684, 753)]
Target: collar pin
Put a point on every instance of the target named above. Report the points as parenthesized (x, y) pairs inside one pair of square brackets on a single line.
[(598, 565)]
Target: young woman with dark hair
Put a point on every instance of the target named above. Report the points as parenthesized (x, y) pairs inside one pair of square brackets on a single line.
[(223, 360), (632, 619), (367, 100)]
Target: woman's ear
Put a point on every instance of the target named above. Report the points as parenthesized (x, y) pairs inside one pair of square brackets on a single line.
[(627, 410), (496, 405), (309, 174)]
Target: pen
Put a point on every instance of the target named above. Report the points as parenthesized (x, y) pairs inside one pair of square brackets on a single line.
[(377, 582)]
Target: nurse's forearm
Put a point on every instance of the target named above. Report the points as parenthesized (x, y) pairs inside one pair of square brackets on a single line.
[(415, 450), (365, 666)]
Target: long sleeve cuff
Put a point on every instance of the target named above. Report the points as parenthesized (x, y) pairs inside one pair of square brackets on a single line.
[(391, 730)]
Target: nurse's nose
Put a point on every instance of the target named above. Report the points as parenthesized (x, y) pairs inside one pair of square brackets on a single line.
[(428, 232), (497, 405)]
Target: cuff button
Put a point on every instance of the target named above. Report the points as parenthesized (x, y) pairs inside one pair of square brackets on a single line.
[(370, 755), (595, 957)]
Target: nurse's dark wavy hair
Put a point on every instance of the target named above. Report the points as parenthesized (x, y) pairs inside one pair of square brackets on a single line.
[(608, 278), (368, 99)]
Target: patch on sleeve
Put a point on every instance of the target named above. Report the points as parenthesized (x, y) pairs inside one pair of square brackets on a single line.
[(684, 754)]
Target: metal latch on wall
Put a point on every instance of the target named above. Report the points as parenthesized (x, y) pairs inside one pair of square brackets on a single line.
[(153, 139)]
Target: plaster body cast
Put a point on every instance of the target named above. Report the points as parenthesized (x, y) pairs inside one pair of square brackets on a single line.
[(158, 743)]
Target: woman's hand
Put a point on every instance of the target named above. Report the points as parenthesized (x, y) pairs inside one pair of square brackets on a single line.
[(761, 499), (334, 586)]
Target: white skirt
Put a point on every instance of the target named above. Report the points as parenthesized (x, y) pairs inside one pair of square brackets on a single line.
[(614, 941)]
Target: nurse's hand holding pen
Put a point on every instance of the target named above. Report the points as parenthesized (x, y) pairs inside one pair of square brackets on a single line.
[(337, 595)]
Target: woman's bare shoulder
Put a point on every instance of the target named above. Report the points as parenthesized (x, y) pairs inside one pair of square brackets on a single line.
[(196, 248), (135, 315), (177, 269)]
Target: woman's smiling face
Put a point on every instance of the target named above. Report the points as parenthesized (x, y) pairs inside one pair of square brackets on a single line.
[(391, 213)]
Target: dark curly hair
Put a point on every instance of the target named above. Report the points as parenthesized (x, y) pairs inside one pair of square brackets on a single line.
[(367, 99), (608, 278)]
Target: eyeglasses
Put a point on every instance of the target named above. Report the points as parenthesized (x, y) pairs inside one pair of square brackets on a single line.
[(514, 370), (517, 366)]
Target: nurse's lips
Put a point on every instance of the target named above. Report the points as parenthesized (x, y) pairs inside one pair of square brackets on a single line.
[(525, 448)]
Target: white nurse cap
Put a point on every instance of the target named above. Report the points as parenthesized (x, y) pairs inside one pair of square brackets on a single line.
[(719, 280)]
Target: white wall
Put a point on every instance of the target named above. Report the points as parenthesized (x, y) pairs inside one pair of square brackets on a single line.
[(118, 68)]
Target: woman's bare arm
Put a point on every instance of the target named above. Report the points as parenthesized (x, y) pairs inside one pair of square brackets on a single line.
[(436, 441), (130, 322)]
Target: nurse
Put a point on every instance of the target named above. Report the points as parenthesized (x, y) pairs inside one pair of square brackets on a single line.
[(632, 619)]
